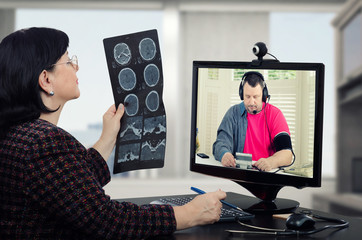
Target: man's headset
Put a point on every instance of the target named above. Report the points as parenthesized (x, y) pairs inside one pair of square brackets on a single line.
[(241, 88)]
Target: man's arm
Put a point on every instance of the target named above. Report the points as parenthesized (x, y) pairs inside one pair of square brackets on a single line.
[(278, 159), (283, 155), (225, 137)]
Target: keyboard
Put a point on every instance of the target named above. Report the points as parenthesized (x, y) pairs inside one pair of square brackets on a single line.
[(228, 214)]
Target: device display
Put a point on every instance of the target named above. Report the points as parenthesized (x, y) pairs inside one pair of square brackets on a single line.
[(296, 89), (202, 155)]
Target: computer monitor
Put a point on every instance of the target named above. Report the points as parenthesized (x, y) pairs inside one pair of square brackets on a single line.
[(297, 89)]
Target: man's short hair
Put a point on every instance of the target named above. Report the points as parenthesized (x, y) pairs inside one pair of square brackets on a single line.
[(253, 78)]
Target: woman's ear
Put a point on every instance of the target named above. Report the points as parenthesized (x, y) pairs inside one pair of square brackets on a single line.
[(44, 82)]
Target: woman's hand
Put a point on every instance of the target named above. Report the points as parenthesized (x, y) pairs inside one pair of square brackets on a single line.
[(112, 123), (111, 126), (203, 209)]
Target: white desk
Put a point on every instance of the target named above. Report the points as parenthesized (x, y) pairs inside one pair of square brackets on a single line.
[(213, 162)]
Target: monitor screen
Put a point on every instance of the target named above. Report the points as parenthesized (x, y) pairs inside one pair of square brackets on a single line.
[(229, 116)]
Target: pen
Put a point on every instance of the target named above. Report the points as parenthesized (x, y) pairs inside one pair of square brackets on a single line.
[(199, 191)]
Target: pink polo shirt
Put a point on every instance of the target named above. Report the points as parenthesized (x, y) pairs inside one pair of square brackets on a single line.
[(258, 136)]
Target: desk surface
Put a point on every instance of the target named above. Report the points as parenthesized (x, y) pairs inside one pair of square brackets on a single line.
[(243, 166), (217, 230)]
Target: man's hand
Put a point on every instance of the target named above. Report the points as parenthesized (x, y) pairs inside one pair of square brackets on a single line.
[(280, 158), (264, 164), (228, 160)]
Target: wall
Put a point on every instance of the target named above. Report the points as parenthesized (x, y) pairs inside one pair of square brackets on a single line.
[(7, 24)]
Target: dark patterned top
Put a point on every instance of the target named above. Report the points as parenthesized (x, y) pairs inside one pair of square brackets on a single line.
[(51, 188)]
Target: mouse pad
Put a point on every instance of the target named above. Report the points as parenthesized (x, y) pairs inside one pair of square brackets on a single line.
[(135, 70)]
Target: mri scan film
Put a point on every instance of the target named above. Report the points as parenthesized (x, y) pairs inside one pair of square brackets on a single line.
[(135, 70)]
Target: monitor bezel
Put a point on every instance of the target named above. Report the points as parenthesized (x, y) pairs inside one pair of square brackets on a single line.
[(264, 178)]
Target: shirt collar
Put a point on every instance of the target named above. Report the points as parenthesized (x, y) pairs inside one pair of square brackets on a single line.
[(243, 109)]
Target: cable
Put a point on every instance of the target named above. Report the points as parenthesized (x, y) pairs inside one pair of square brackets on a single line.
[(267, 125), (260, 228), (278, 232), (272, 142), (272, 56)]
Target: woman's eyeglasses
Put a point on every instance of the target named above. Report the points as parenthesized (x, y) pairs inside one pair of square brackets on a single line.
[(73, 61)]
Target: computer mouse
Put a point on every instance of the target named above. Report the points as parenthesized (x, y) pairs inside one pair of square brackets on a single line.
[(299, 221)]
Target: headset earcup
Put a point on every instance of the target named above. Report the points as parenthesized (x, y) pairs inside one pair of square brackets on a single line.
[(241, 94), (265, 89)]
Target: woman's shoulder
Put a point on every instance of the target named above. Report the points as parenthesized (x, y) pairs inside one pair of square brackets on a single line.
[(39, 128), (43, 134)]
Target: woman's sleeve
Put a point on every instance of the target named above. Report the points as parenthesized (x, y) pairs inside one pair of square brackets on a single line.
[(63, 186), (98, 166)]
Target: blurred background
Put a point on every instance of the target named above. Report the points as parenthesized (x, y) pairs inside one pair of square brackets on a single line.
[(326, 31)]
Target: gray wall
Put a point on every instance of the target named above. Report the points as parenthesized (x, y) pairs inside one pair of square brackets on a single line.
[(7, 22)]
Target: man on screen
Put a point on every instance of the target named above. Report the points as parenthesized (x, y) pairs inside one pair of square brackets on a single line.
[(254, 126)]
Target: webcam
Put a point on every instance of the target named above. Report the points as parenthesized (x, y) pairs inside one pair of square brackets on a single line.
[(260, 50)]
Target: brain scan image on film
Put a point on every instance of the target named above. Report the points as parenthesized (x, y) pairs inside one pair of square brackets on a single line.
[(155, 126), (135, 68), (152, 101), (131, 104), (153, 149), (127, 79), (129, 152), (122, 53), (131, 129), (151, 75), (147, 48)]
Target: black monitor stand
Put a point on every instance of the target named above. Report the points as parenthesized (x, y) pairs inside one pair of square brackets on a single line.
[(266, 201)]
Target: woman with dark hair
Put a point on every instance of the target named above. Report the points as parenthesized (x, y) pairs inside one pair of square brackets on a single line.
[(50, 185)]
